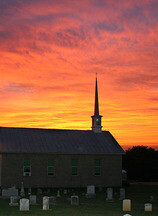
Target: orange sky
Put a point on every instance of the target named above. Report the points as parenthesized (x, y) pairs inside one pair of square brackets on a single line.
[(51, 50)]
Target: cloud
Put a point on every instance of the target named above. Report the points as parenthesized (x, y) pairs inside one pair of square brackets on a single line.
[(108, 27), (17, 88), (69, 38), (153, 99), (138, 80), (51, 50), (5, 35)]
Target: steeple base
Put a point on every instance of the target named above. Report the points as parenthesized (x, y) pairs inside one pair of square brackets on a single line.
[(96, 123), (97, 129)]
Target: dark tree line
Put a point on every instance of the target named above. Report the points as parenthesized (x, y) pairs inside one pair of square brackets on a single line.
[(141, 163)]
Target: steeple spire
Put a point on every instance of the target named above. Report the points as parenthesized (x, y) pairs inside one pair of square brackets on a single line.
[(96, 110), (96, 119)]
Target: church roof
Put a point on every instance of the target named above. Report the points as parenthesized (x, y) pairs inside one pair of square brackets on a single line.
[(32, 140)]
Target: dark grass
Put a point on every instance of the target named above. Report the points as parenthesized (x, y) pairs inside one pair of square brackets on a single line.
[(139, 194)]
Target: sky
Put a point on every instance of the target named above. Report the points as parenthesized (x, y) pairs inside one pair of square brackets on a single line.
[(50, 52)]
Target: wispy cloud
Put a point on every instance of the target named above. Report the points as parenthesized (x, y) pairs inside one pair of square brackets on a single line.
[(51, 50)]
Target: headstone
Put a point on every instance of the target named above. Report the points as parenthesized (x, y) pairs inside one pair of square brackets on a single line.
[(24, 204), (13, 186), (124, 176), (29, 191), (13, 201), (52, 200), (74, 200), (6, 193), (109, 192), (148, 207), (65, 191), (126, 205), (151, 198), (90, 191), (33, 199), (58, 193), (127, 215), (39, 191), (122, 194), (45, 203), (22, 192)]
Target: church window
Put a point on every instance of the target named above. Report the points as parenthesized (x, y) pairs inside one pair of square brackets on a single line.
[(50, 167), (74, 166), (27, 167), (97, 167)]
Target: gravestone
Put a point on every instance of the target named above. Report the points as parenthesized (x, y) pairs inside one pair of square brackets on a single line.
[(148, 207), (126, 205), (33, 199), (65, 191), (90, 191), (151, 198), (74, 200), (122, 194), (13, 201), (6, 193), (29, 191), (45, 203), (24, 204), (39, 191), (22, 192), (13, 186), (52, 200), (58, 193), (127, 215), (109, 192)]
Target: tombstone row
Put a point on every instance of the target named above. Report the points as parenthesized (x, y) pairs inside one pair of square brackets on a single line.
[(25, 203), (90, 192), (14, 200), (74, 199), (127, 206)]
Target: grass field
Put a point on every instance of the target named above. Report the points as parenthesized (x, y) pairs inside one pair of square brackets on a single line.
[(139, 194)]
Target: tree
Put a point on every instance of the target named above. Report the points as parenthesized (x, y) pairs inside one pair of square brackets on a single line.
[(141, 163)]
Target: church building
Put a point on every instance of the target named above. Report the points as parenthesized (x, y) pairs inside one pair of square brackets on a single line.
[(55, 158)]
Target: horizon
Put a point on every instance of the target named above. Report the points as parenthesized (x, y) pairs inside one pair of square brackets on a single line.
[(51, 52)]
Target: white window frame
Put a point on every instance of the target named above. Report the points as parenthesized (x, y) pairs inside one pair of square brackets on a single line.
[(24, 172)]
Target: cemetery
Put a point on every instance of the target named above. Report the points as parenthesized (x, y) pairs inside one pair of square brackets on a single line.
[(134, 200)]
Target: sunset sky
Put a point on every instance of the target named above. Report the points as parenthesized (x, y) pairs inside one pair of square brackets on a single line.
[(50, 51)]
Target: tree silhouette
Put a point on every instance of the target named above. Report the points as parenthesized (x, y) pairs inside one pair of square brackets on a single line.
[(141, 163)]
